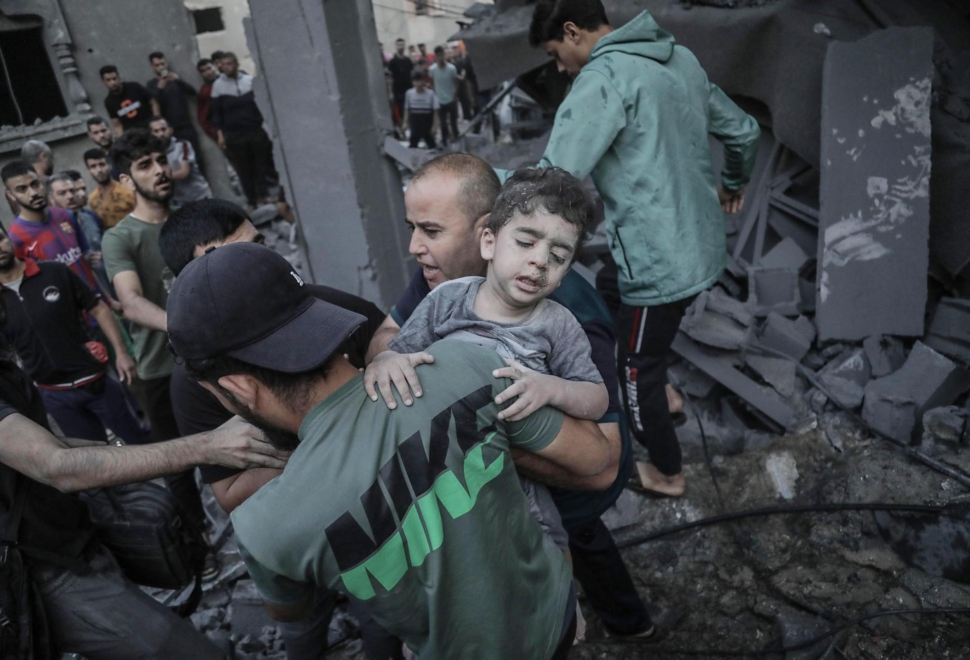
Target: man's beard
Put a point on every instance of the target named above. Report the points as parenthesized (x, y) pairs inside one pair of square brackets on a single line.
[(280, 438), (152, 196), (103, 181), (7, 261), (36, 204), (49, 169)]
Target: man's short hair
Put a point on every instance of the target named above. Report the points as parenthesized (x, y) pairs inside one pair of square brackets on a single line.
[(229, 55), (399, 39), (217, 55), (157, 118), (33, 150), (201, 63), (418, 75), (106, 69), (479, 183), (551, 189), (94, 154), (59, 176), (439, 50), (549, 16), (95, 121), (134, 145), (74, 174), (15, 168), (197, 223), (157, 55)]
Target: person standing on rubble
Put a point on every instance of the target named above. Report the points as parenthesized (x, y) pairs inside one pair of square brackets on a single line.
[(637, 120)]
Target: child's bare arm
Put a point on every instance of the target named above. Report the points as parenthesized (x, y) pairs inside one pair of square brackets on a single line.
[(534, 390)]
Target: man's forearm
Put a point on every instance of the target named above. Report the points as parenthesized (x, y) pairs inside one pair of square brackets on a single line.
[(547, 472), (109, 325), (142, 311), (379, 342)]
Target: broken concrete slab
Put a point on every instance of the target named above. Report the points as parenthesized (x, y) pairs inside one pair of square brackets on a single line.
[(721, 368), (777, 372), (895, 404), (947, 424), (873, 251), (691, 380), (949, 329), (845, 378), (411, 159), (787, 254), (717, 320), (774, 290), (792, 338), (886, 354)]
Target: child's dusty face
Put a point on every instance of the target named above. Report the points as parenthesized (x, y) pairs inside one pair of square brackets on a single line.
[(530, 255)]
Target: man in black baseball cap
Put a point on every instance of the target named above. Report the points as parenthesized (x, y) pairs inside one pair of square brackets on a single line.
[(370, 494)]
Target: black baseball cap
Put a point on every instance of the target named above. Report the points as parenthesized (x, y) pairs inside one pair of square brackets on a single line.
[(246, 301)]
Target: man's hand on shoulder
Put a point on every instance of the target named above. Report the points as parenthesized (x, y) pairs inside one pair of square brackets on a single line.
[(238, 444), (397, 368)]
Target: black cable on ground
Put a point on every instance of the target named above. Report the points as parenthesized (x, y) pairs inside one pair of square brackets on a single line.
[(794, 509), (711, 653)]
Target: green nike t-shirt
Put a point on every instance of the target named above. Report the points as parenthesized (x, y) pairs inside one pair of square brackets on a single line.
[(418, 514)]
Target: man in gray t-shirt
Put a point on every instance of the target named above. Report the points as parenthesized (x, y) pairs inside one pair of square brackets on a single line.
[(190, 185), (550, 341)]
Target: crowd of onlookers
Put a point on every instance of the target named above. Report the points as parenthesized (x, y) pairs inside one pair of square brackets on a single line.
[(428, 89)]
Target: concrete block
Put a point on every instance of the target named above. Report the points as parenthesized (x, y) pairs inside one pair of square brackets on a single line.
[(774, 290), (873, 250), (777, 372), (717, 320), (787, 254), (886, 355), (785, 336), (949, 329), (895, 404), (852, 364), (947, 424)]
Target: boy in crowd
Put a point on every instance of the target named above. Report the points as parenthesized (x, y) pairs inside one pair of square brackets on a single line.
[(190, 185), (420, 111), (530, 241), (110, 200)]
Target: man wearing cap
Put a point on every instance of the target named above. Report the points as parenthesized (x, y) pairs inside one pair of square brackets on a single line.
[(417, 512)]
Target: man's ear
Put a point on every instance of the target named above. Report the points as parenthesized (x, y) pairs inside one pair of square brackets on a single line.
[(479, 225), (127, 181), (571, 31), (243, 388), (488, 244)]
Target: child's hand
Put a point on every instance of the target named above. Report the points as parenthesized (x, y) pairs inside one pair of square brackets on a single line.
[(533, 389), (390, 367)]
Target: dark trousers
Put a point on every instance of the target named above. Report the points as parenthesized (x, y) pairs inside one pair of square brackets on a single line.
[(157, 403), (102, 615), (598, 566), (307, 639), (448, 112), (422, 127), (644, 337), (399, 103), (251, 155), (467, 101), (84, 412)]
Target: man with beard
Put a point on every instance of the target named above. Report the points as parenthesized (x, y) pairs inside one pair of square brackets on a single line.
[(173, 95), (42, 232), (40, 157), (101, 135), (190, 185), (141, 279), (90, 223), (129, 105), (110, 200), (42, 318), (478, 575)]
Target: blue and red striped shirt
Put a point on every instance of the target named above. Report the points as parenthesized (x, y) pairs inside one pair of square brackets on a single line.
[(58, 238)]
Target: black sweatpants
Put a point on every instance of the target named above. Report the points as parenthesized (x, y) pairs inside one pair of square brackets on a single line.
[(598, 566), (156, 401), (251, 155), (644, 338), (448, 112), (422, 127)]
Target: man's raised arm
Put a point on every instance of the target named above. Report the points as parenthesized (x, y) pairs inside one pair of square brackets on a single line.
[(32, 450), (382, 337)]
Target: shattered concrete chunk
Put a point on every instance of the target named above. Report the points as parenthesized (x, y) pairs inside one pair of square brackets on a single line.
[(845, 377), (774, 290), (786, 336), (783, 473), (949, 329), (895, 404), (787, 254), (717, 320), (886, 354), (947, 423), (796, 628), (777, 372), (691, 380)]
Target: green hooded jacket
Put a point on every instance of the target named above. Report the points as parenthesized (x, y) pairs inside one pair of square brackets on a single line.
[(637, 120)]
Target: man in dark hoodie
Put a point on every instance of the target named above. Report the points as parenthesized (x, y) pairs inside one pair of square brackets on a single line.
[(637, 119)]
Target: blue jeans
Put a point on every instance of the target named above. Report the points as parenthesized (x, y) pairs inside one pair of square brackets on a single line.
[(84, 412)]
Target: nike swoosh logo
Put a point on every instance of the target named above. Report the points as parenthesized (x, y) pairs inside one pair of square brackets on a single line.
[(31, 247)]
